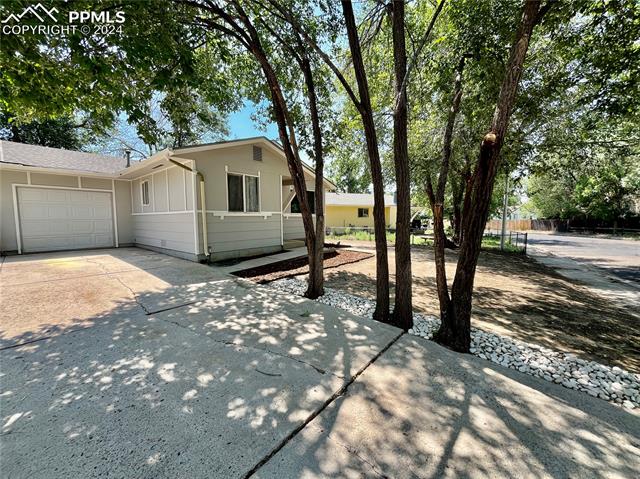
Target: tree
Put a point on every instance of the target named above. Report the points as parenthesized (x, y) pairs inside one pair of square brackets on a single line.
[(60, 132), (455, 328), (362, 102), (164, 47), (381, 312), (403, 311), (238, 25), (173, 121)]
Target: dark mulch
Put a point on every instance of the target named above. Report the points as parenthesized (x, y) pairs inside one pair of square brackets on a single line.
[(294, 267)]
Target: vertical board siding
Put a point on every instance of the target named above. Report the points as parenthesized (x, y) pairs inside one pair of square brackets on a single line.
[(174, 231)]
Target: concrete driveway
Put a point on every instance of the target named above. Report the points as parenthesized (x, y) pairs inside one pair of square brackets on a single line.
[(129, 363)]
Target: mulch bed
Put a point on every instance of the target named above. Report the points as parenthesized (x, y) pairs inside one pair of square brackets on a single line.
[(294, 267)]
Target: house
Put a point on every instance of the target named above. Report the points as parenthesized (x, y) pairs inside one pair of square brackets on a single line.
[(53, 199), (344, 210)]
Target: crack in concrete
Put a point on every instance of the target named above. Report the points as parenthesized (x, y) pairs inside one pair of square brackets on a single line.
[(374, 467), (319, 411), (255, 348), (133, 293)]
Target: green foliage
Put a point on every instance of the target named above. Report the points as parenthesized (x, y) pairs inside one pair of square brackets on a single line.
[(597, 189), (159, 51), (54, 133)]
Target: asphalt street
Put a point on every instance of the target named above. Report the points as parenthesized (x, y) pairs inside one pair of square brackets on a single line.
[(617, 257)]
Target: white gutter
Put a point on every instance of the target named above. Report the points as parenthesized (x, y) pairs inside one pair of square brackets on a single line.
[(203, 201)]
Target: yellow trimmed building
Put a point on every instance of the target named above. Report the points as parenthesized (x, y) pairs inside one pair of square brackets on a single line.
[(354, 210)]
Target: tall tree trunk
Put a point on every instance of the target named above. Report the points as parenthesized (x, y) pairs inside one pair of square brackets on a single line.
[(458, 190), (381, 312), (402, 312), (455, 330), (250, 38), (316, 256), (436, 198)]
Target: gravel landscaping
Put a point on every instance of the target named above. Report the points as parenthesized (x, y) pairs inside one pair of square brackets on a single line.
[(612, 384)]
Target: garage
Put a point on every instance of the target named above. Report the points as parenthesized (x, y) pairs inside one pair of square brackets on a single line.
[(53, 219)]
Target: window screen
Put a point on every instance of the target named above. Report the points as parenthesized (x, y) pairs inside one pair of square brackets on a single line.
[(234, 192), (144, 186), (311, 198), (252, 193), (363, 212)]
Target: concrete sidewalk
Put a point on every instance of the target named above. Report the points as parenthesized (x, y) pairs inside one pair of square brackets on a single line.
[(423, 411), (596, 279), (128, 363)]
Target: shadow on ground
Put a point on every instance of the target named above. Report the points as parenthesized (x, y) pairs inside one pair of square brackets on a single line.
[(520, 298), (209, 379), (206, 388), (424, 411)]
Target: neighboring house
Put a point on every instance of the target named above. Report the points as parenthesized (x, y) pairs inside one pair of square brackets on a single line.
[(53, 199), (356, 210)]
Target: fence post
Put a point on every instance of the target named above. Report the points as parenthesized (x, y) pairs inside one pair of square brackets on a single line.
[(525, 242)]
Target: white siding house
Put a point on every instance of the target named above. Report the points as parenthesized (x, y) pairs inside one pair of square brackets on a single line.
[(54, 199)]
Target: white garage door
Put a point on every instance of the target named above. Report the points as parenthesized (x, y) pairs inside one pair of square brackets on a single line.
[(58, 219)]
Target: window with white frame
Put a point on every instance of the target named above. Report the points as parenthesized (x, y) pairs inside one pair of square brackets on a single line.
[(363, 212), (243, 193), (144, 193)]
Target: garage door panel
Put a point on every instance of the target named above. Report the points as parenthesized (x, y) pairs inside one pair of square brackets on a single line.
[(102, 212), (32, 194), (101, 227), (60, 227), (103, 240), (81, 211), (57, 219), (34, 212), (58, 211), (79, 196), (82, 227), (100, 199), (57, 196)]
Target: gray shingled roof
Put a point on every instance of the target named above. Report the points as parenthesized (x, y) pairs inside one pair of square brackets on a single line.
[(354, 199), (45, 157)]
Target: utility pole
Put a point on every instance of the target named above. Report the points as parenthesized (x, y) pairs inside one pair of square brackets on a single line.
[(504, 211)]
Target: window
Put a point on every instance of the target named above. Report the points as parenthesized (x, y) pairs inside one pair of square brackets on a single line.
[(144, 191), (252, 193), (363, 212), (243, 193), (311, 199), (234, 191)]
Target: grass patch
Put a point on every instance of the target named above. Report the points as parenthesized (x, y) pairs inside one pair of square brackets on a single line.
[(359, 235), (492, 243), (489, 243)]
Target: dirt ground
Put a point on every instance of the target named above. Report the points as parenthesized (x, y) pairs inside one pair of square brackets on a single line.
[(516, 296)]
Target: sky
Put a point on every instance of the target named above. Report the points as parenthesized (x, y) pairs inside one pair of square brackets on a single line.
[(242, 126)]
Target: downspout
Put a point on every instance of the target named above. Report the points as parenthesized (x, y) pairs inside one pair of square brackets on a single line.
[(203, 211)]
